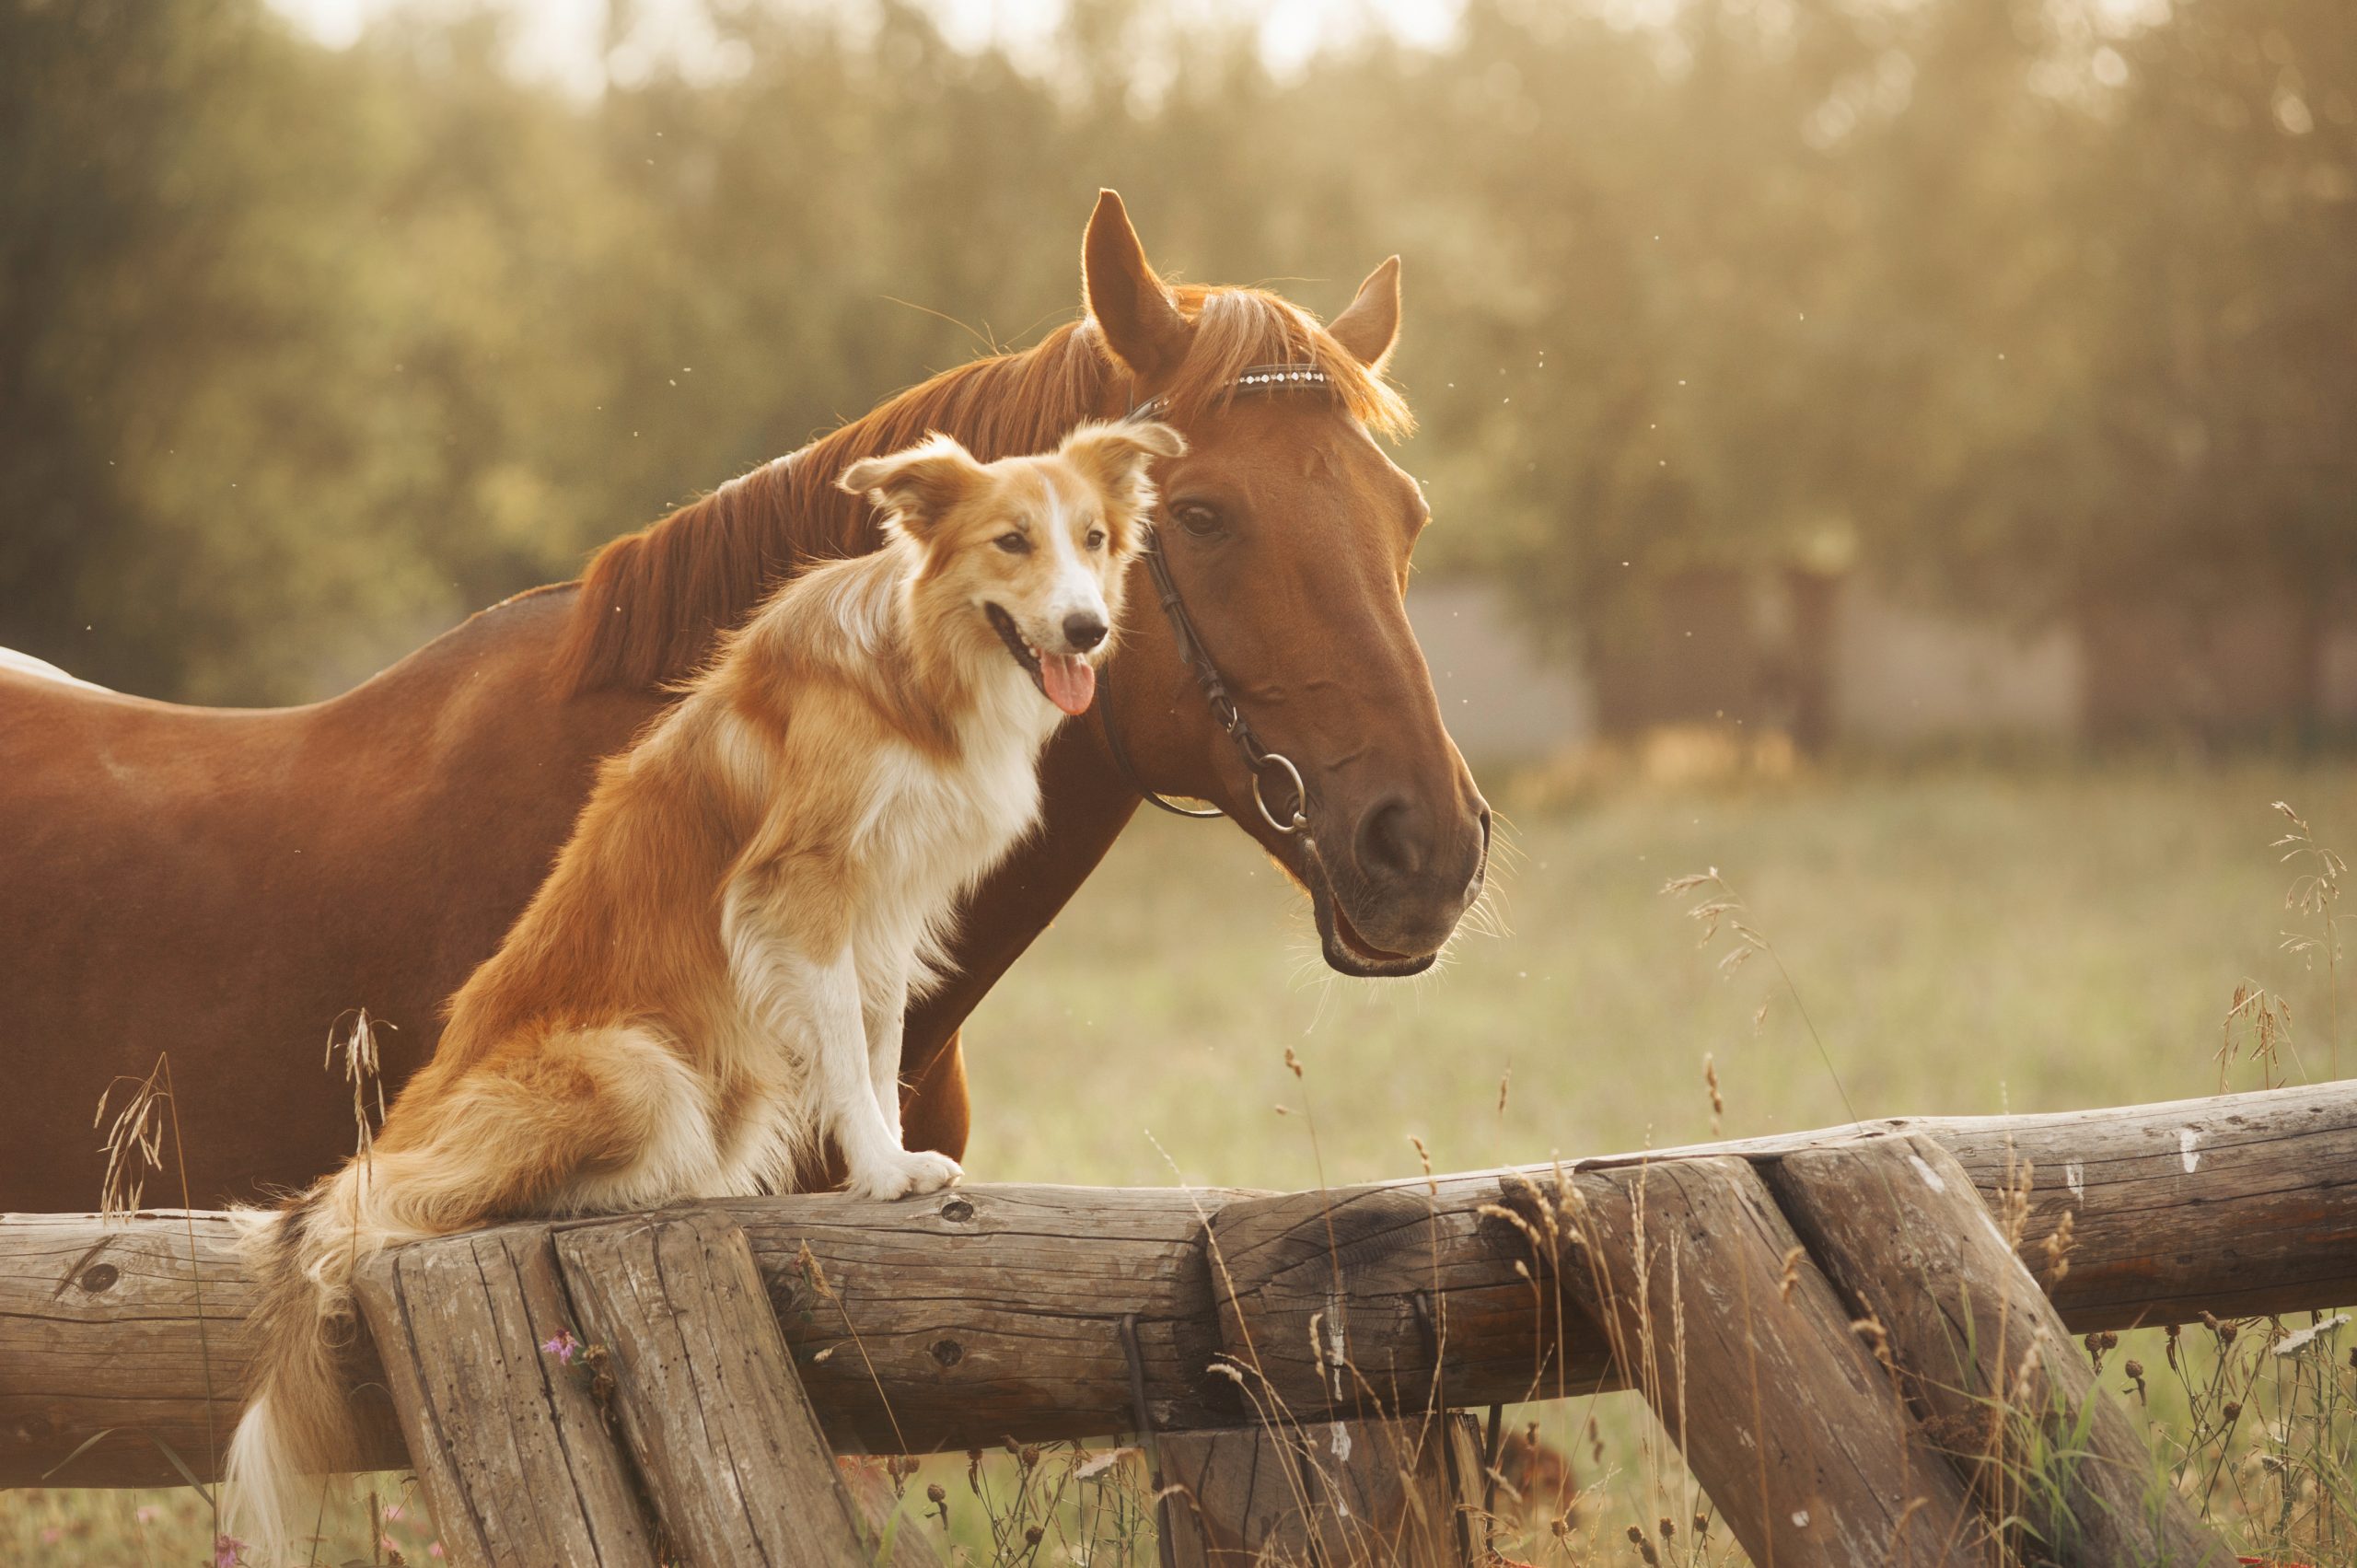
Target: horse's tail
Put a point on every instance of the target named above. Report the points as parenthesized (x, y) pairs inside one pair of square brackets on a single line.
[(297, 1427)]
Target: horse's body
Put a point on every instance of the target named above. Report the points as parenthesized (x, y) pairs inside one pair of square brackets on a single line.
[(225, 886)]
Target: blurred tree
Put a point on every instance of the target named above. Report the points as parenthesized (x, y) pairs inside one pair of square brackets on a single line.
[(304, 352)]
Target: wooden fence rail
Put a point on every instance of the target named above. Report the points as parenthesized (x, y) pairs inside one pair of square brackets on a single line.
[(995, 1310)]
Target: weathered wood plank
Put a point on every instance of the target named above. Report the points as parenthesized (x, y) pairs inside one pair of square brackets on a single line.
[(1984, 1358), (1692, 1275), (517, 1462), (1381, 1493), (984, 1312), (1012, 1302), (706, 1394), (136, 1327)]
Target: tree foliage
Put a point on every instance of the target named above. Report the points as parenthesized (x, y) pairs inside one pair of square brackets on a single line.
[(304, 352)]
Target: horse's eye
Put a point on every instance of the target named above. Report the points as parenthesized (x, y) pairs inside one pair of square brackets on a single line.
[(1196, 517), (1095, 539), (1014, 543)]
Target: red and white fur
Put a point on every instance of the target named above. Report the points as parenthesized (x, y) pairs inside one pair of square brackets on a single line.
[(710, 984)]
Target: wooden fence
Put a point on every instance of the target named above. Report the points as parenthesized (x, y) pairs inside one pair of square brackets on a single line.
[(1723, 1282)]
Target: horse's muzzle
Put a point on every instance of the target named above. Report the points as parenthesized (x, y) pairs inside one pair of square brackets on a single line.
[(1390, 910)]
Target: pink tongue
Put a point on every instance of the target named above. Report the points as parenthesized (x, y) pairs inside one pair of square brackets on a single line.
[(1071, 681)]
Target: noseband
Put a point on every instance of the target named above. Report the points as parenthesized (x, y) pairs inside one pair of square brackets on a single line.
[(1193, 653)]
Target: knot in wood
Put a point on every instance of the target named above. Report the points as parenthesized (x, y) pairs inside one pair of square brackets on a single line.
[(958, 1210), (1365, 1234), (99, 1276), (949, 1353)]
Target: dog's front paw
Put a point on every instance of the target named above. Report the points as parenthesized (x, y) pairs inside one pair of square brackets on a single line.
[(902, 1174)]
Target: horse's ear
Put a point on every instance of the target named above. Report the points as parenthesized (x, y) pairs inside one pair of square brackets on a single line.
[(1141, 322), (1371, 326), (916, 487)]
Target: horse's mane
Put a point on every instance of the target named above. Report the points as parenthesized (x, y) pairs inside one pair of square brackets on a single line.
[(652, 602)]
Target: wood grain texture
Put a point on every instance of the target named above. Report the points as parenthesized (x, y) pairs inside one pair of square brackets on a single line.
[(1371, 1494), (520, 1466), (135, 1328), (992, 1310), (706, 1395), (1900, 1229), (1748, 1357), (983, 1312)]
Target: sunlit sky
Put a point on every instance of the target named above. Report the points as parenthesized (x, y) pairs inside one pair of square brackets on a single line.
[(559, 41)]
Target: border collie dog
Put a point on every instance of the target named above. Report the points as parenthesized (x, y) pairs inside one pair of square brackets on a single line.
[(708, 989)]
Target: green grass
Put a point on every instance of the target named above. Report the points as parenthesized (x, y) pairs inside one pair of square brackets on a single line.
[(1966, 940)]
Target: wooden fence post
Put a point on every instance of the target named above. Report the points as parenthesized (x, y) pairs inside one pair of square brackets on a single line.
[(1361, 1493), (517, 1460), (1984, 1355), (1749, 1359), (706, 1394)]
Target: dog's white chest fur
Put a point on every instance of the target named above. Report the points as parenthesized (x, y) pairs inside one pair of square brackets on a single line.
[(933, 829)]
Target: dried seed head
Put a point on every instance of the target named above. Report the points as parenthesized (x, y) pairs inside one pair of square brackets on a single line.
[(2057, 1247), (134, 1142), (1034, 1535), (1792, 1274), (935, 1494), (1293, 1062)]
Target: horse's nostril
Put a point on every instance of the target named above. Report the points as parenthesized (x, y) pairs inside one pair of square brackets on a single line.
[(1084, 631), (1391, 841)]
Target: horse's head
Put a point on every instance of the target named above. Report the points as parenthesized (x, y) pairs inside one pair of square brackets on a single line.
[(1286, 532)]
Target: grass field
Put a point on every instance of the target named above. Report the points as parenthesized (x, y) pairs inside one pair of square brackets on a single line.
[(1962, 940)]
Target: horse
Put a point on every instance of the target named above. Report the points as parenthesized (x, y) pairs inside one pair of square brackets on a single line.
[(227, 888)]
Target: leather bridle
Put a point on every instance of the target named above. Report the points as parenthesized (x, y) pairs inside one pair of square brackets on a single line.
[(1197, 657)]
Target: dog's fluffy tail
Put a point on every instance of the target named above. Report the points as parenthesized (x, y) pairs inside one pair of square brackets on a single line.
[(297, 1427)]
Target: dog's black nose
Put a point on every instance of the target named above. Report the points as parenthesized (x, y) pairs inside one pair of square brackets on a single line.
[(1083, 632)]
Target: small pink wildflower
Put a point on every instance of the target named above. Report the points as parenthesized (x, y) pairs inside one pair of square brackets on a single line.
[(144, 1514), (564, 1347), (392, 1510), (228, 1551), (433, 1551)]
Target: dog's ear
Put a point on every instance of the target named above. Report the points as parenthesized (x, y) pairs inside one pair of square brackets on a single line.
[(1142, 323), (1114, 457), (918, 486)]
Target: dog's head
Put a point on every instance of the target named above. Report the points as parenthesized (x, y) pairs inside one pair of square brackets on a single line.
[(1026, 554)]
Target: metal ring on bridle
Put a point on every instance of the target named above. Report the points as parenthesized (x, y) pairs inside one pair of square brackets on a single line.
[(1300, 794)]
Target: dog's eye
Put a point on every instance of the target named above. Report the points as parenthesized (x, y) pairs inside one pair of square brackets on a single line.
[(1095, 539), (1014, 543)]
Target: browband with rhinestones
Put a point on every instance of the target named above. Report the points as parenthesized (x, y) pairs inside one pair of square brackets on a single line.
[(1257, 378)]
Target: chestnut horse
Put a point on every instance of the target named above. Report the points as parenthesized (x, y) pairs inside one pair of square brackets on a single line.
[(228, 885)]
